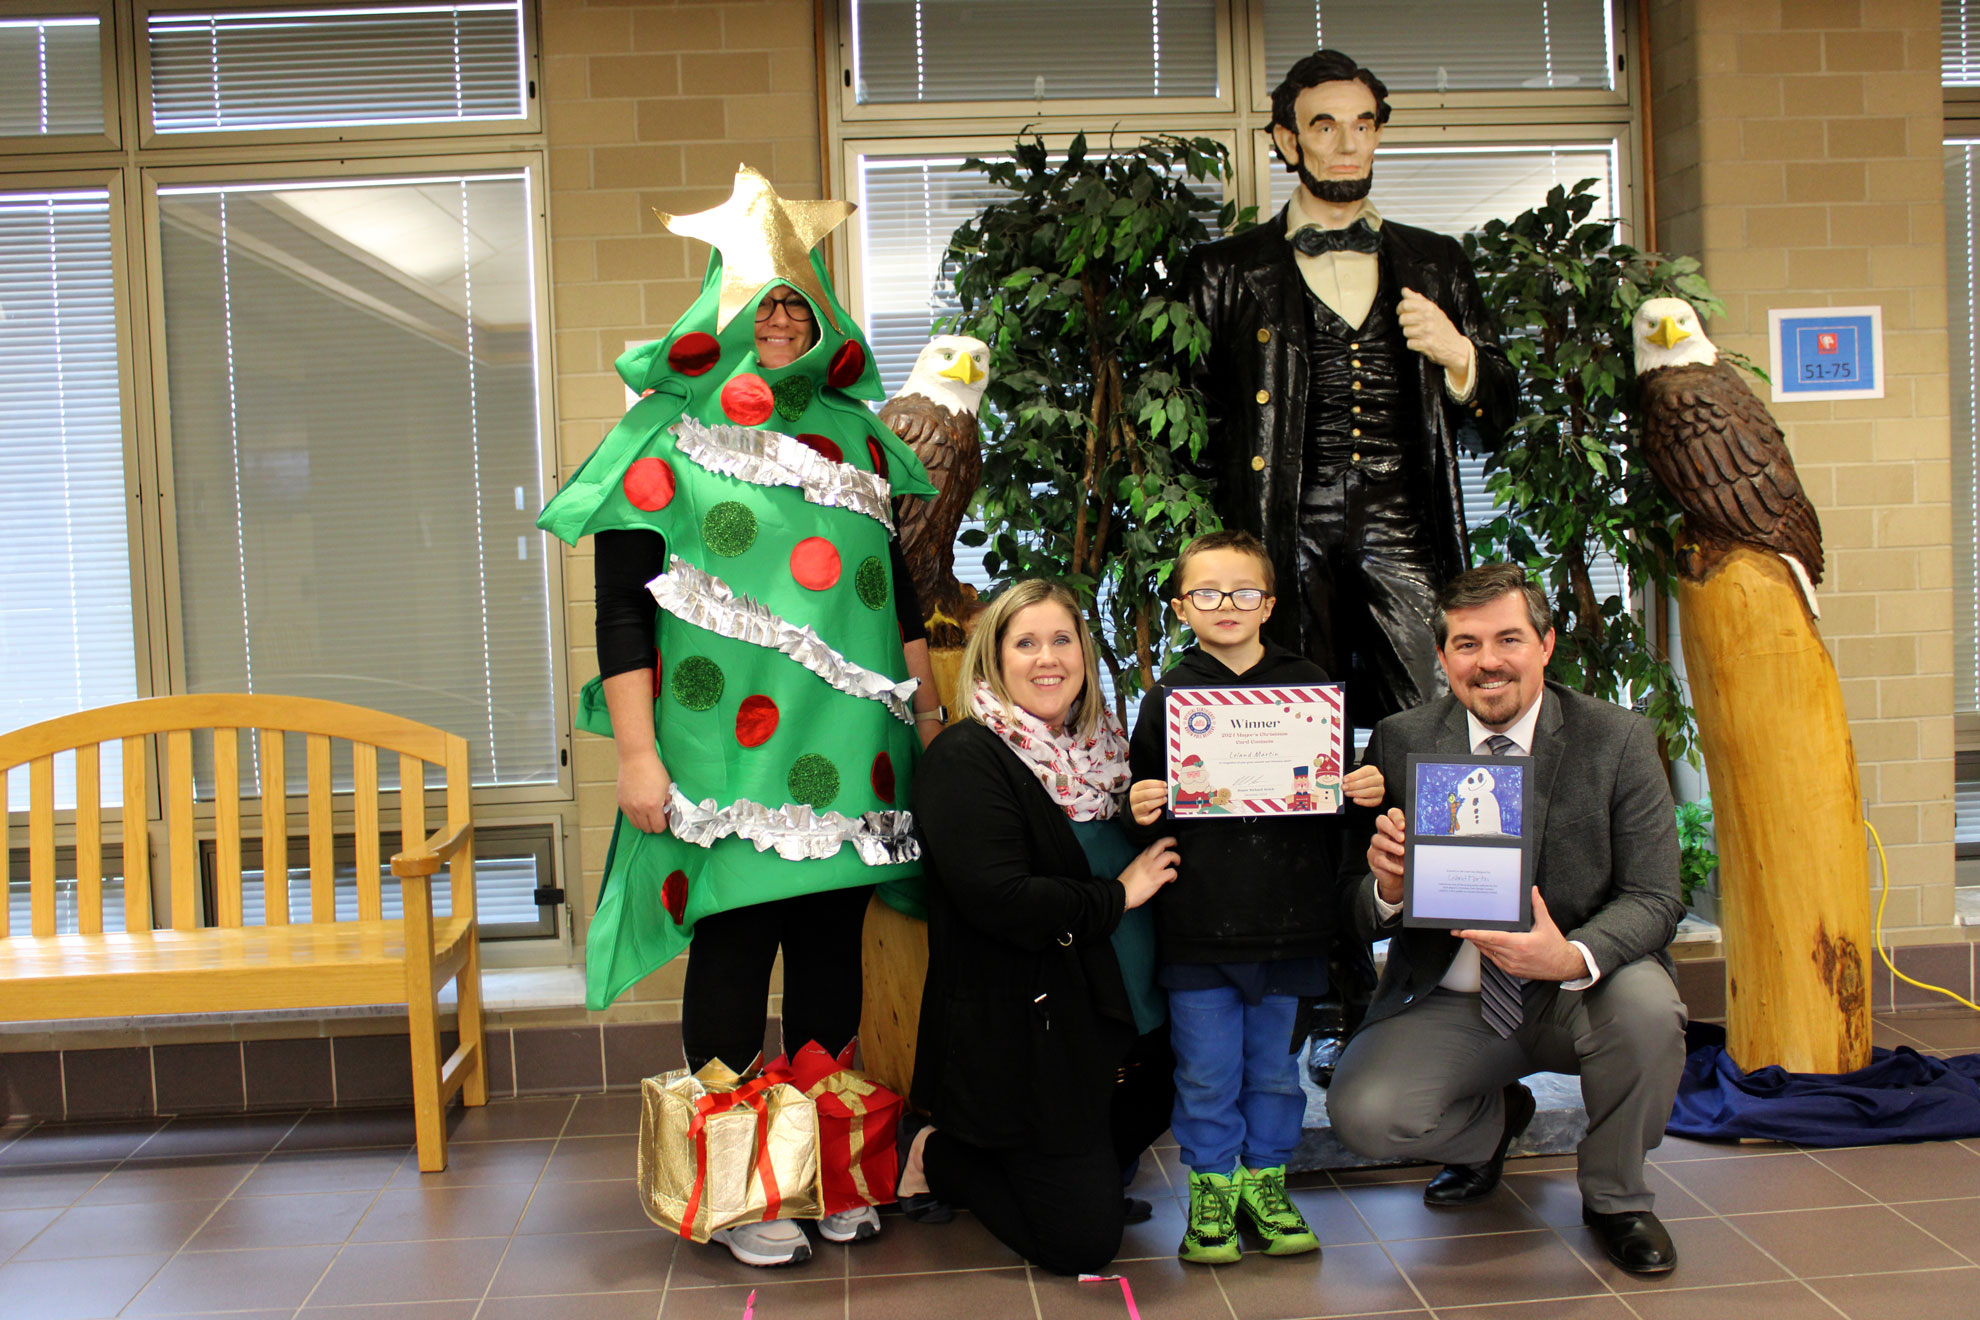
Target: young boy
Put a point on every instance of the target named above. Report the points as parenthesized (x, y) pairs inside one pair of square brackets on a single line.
[(1243, 932)]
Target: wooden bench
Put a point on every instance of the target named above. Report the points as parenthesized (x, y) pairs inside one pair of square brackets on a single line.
[(227, 965)]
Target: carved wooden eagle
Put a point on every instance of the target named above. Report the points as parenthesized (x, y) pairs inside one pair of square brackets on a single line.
[(1717, 448), (935, 412)]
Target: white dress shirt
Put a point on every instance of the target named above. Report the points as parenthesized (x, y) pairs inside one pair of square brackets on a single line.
[(1463, 975)]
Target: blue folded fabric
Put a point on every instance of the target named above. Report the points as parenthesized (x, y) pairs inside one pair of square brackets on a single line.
[(1901, 1096)]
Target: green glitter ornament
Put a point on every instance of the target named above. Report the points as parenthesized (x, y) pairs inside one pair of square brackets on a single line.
[(871, 583), (729, 529), (793, 395), (814, 781), (697, 682)]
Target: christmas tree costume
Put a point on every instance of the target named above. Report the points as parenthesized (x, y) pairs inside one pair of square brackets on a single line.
[(781, 705)]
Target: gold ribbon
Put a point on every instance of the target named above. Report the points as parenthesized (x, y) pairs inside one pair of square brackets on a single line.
[(852, 1090)]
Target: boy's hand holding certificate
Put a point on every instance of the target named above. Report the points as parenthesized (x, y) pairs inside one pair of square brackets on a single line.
[(1253, 751)]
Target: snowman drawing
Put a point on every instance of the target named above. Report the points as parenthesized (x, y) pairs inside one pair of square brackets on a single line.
[(1477, 809)]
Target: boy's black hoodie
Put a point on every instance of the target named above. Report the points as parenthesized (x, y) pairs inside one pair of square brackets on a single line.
[(1250, 888)]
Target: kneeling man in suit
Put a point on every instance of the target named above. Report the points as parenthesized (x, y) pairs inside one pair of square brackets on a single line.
[(1460, 1017)]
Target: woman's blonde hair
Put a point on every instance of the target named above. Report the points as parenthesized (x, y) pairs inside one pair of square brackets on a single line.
[(982, 660)]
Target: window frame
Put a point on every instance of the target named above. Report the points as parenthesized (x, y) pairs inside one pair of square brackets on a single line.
[(108, 18), (1962, 128), (842, 93), (149, 138), (534, 165)]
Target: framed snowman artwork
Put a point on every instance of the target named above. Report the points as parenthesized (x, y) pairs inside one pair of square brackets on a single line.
[(1466, 865)]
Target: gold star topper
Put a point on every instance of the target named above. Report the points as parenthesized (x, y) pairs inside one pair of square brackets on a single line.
[(762, 237)]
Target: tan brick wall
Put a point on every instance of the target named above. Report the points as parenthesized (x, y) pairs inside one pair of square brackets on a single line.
[(649, 105), (1797, 147)]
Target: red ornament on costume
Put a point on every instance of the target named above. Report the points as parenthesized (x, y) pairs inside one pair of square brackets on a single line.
[(883, 777), (673, 896), (878, 455), (747, 400), (815, 564), (649, 484), (819, 444), (693, 354), (756, 721), (848, 365)]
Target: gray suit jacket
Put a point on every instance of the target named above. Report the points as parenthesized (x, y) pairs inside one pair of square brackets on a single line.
[(1608, 860)]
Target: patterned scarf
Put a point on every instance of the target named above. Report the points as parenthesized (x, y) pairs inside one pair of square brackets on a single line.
[(1086, 776)]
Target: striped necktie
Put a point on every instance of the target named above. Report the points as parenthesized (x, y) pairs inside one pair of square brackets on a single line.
[(1501, 995)]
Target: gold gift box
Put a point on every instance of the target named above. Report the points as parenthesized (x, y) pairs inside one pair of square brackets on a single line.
[(716, 1150)]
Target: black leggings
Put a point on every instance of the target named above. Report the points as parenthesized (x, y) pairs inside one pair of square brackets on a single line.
[(728, 976), (1062, 1212)]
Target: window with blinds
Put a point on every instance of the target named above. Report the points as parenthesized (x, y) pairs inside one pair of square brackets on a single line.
[(1959, 43), (908, 51), (1962, 244), (1435, 46), (290, 68), (51, 76), (65, 609), (351, 371)]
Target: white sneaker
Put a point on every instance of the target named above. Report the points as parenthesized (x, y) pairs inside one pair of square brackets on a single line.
[(775, 1242), (855, 1225)]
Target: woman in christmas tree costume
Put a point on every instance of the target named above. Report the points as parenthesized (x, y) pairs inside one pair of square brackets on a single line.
[(751, 646)]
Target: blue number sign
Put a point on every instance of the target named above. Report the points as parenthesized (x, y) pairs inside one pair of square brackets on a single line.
[(1827, 353)]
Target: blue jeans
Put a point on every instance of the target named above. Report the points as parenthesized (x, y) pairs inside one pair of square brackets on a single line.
[(1237, 1084)]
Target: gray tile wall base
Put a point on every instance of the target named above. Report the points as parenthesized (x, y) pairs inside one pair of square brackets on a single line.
[(1559, 1123)]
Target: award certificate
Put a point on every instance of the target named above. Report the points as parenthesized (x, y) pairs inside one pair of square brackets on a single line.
[(1256, 751), (1466, 864)]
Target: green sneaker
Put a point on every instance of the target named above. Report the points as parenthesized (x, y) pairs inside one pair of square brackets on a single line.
[(1262, 1202), (1211, 1238)]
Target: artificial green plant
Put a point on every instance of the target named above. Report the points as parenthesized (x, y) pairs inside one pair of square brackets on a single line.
[(1568, 481), (1087, 420)]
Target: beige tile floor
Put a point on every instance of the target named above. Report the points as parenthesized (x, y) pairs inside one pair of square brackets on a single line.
[(322, 1215)]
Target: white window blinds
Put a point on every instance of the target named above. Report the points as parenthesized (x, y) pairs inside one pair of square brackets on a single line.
[(907, 51), (1959, 43), (65, 607), (1962, 246), (1436, 46), (351, 371), (51, 76), (321, 67)]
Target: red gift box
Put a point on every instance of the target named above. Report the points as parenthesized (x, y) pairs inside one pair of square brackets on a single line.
[(858, 1164)]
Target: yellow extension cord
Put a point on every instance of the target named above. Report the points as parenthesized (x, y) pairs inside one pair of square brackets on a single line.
[(1885, 863)]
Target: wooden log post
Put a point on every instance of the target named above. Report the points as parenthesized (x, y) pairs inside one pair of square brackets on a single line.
[(1794, 893), (894, 953)]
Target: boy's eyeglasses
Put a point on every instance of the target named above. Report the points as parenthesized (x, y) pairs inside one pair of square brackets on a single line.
[(1209, 598)]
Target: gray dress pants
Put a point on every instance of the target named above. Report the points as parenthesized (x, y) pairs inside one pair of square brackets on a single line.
[(1426, 1083)]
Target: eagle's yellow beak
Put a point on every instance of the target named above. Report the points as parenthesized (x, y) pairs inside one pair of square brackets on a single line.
[(1669, 333), (964, 369)]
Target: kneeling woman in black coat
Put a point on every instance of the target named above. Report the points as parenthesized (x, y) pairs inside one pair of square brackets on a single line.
[(1043, 1047)]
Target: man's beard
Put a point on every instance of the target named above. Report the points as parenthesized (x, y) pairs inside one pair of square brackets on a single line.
[(1337, 191)]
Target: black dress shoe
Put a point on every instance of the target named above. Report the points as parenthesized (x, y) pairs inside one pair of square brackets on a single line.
[(1635, 1240), (1134, 1210), (1461, 1184)]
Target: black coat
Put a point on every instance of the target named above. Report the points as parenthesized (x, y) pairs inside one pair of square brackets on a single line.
[(1249, 292), (1024, 1018), (1250, 888)]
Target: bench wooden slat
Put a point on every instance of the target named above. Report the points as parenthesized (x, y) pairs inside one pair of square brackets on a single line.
[(137, 840), (364, 784), (41, 845), (227, 827), (322, 842), (211, 970), (6, 838), (412, 802), (89, 840), (274, 828), (154, 715), (179, 829)]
